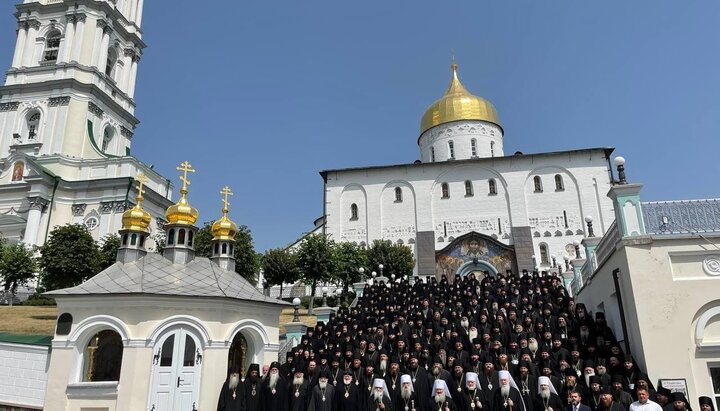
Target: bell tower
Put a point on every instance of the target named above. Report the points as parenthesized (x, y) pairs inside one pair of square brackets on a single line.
[(70, 88)]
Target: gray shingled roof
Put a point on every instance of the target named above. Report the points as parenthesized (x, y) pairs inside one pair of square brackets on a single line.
[(154, 274)]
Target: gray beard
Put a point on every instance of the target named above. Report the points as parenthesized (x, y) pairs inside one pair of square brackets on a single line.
[(472, 334), (406, 394), (233, 383), (377, 396), (545, 394), (587, 379), (436, 371), (533, 347), (439, 398), (298, 380), (505, 390), (383, 365), (322, 385), (274, 380)]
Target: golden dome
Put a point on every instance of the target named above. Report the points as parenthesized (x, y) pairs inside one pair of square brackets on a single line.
[(182, 212), (224, 228), (137, 219), (458, 104)]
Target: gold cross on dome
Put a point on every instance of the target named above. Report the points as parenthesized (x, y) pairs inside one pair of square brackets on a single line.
[(186, 168), (226, 192), (141, 180)]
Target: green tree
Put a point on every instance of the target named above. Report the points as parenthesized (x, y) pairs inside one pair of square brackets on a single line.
[(396, 259), (316, 262), (68, 257), (107, 252), (247, 262), (279, 266), (17, 267), (348, 258)]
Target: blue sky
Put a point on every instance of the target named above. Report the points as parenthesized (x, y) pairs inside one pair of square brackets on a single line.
[(261, 95)]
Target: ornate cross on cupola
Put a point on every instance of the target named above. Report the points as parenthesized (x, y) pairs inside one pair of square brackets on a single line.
[(226, 204), (186, 168), (141, 180)]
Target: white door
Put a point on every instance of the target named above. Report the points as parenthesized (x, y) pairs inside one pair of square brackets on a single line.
[(176, 372)]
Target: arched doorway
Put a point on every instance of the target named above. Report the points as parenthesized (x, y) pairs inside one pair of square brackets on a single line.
[(176, 371), (238, 353), (479, 267)]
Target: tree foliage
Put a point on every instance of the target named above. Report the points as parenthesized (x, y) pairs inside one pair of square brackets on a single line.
[(107, 253), (316, 261), (69, 257), (396, 259), (348, 258), (279, 266), (247, 263), (17, 266)]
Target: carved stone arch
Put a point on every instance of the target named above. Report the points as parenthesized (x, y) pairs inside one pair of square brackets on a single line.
[(180, 320), (27, 110), (707, 327), (81, 333), (48, 28)]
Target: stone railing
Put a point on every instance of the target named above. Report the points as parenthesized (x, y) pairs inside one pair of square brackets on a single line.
[(606, 246), (285, 348), (681, 217)]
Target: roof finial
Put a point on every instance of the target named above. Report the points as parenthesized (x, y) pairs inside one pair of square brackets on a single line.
[(226, 192), (141, 180), (453, 64), (186, 168)]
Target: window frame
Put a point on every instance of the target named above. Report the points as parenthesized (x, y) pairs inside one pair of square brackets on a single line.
[(54, 35), (469, 190), (432, 154), (559, 183), (354, 212), (492, 187), (537, 184), (398, 195), (445, 190), (544, 254), (451, 150), (473, 147)]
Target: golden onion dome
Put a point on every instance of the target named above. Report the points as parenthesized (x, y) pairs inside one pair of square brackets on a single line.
[(224, 228), (182, 212), (458, 104), (137, 219)]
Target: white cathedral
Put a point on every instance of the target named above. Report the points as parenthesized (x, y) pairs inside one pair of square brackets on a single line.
[(67, 120), (466, 206)]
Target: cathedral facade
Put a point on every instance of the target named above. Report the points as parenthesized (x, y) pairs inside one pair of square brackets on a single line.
[(467, 206), (67, 120)]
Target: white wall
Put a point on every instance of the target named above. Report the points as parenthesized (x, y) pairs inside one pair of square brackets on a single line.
[(23, 374)]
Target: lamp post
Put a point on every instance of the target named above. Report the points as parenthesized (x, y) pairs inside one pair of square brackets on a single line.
[(620, 164), (567, 262), (588, 221), (296, 306), (361, 271), (576, 244), (324, 291), (338, 293), (535, 264), (380, 267), (554, 261)]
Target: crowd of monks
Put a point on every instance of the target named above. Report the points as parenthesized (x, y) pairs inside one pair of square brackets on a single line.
[(500, 343)]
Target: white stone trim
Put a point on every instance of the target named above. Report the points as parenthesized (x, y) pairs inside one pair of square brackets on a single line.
[(92, 390), (35, 349), (93, 324), (253, 325), (700, 329), (187, 320)]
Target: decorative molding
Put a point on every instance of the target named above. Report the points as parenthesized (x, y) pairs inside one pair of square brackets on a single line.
[(120, 207), (38, 203), (9, 106), (80, 17), (78, 210), (160, 224), (107, 207), (35, 24), (58, 101), (95, 109), (125, 132), (711, 265)]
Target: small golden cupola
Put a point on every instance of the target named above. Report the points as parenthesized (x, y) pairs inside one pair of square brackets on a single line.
[(458, 104), (182, 212), (134, 232), (223, 231), (224, 228), (180, 229)]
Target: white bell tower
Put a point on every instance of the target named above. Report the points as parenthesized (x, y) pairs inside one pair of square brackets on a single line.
[(70, 88)]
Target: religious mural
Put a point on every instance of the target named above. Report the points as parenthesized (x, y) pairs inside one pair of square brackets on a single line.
[(18, 170), (474, 247)]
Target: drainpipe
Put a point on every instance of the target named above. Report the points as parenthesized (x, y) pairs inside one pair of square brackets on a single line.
[(616, 279), (52, 201)]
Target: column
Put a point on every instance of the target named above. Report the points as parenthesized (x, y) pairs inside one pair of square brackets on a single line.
[(32, 228), (133, 77), (20, 44), (69, 37), (97, 43), (138, 15), (28, 53), (102, 60), (127, 69), (133, 10), (79, 32)]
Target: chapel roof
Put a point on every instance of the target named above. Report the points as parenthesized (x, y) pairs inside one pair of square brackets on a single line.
[(154, 274)]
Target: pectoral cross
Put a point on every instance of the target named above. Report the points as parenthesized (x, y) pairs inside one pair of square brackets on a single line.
[(186, 168), (226, 192), (141, 180)]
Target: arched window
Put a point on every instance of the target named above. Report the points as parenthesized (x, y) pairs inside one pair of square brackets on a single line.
[(354, 211), (451, 149), (108, 134), (224, 248), (544, 255), (171, 237), (111, 63), (64, 323), (398, 195), (103, 357), (492, 149), (181, 236), (230, 250), (468, 188), (142, 240), (125, 239), (33, 122), (52, 45), (445, 190), (538, 184), (217, 248), (191, 234), (492, 187), (432, 154), (473, 147), (559, 186), (133, 239)]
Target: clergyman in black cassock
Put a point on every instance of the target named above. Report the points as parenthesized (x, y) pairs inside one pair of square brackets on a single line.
[(298, 389), (547, 397), (441, 397), (232, 392), (379, 398), (407, 400), (507, 397), (323, 394), (347, 394), (274, 391)]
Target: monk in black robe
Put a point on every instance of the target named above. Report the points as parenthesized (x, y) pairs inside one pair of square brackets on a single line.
[(298, 389), (407, 399), (547, 397), (347, 394), (507, 397), (252, 388), (379, 398), (232, 392), (473, 396), (323, 394), (274, 391), (420, 384)]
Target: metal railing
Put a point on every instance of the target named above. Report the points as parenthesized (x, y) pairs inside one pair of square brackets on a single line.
[(285, 348), (681, 217)]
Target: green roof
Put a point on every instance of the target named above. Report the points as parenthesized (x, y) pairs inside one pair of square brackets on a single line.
[(26, 339)]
